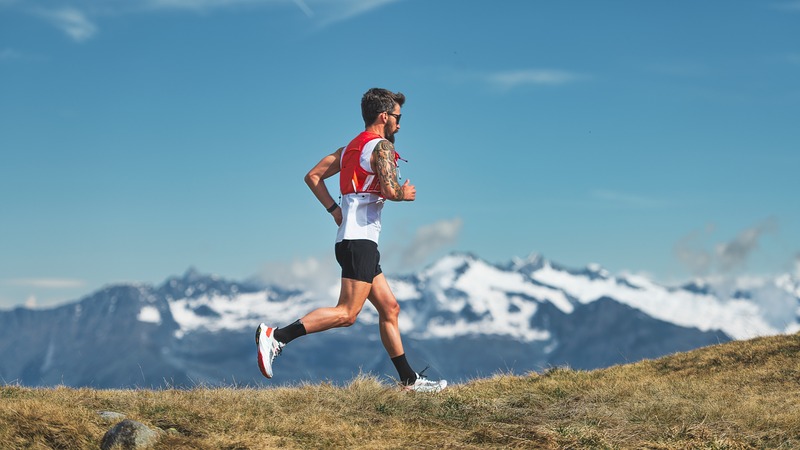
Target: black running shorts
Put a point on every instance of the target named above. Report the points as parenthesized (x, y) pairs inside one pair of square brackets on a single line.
[(359, 259)]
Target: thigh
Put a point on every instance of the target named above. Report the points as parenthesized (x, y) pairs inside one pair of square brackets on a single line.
[(353, 295), (381, 296)]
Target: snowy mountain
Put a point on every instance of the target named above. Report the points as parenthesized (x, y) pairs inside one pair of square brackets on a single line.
[(462, 316), (742, 308)]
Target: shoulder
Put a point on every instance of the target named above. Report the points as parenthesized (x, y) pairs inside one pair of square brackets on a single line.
[(384, 146)]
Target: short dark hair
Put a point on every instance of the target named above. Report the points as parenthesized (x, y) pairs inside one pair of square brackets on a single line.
[(376, 101)]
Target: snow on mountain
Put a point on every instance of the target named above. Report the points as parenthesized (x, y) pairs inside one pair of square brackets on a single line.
[(223, 312), (697, 305), (149, 314), (462, 295)]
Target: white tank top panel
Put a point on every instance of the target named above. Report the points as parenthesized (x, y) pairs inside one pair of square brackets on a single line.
[(361, 217)]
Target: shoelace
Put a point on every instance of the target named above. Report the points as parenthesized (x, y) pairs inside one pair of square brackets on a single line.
[(278, 349), (421, 373)]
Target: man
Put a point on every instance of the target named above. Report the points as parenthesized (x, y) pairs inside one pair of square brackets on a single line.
[(367, 170)]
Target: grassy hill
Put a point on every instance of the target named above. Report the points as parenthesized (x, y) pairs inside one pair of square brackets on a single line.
[(739, 395)]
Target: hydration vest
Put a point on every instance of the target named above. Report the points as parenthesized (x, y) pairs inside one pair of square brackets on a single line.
[(356, 174)]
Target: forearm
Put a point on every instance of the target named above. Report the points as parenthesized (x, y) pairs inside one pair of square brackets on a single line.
[(394, 194), (315, 178), (320, 190), (386, 169)]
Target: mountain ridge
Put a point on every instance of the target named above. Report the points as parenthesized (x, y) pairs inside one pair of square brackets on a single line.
[(461, 315)]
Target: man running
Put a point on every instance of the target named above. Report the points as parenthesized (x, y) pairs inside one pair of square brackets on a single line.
[(367, 170)]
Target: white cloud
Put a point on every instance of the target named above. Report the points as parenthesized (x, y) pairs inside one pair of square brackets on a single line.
[(734, 254), (726, 257), (508, 80), (792, 6), (346, 10), (319, 275), (71, 21), (46, 283), (7, 54), (689, 251), (793, 58), (304, 7), (201, 5), (77, 20), (333, 11), (430, 239)]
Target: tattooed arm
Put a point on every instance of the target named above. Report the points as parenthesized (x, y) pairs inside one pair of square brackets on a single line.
[(385, 167)]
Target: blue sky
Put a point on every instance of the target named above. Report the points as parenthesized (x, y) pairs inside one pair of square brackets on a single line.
[(141, 137)]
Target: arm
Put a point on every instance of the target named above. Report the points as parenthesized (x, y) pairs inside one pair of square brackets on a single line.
[(315, 179), (386, 168)]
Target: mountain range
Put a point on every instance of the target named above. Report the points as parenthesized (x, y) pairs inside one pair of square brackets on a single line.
[(462, 316)]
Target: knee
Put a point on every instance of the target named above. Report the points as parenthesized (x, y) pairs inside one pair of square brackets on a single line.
[(350, 319), (347, 319), (391, 312)]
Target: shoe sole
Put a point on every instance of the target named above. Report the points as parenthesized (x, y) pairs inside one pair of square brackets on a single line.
[(261, 365)]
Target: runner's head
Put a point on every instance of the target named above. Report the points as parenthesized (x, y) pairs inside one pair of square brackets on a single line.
[(376, 102)]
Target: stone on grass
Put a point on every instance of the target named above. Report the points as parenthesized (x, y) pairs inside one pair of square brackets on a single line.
[(111, 416), (129, 435)]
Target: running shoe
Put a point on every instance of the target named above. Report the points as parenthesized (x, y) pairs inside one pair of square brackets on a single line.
[(423, 384), (268, 348)]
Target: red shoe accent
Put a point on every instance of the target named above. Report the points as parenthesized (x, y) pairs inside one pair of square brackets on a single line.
[(261, 366)]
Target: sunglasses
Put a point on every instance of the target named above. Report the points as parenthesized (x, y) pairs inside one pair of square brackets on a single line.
[(396, 116)]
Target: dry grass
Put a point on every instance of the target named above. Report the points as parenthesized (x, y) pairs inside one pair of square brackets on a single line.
[(739, 395)]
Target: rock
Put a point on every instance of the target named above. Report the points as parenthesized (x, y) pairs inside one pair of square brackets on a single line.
[(129, 435), (111, 416)]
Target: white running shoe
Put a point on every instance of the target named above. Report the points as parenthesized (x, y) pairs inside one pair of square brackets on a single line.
[(268, 348), (423, 384)]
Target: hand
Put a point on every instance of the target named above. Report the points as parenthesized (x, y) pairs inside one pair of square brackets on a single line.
[(337, 216), (409, 191)]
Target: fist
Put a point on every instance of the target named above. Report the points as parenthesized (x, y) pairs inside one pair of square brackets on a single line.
[(409, 191)]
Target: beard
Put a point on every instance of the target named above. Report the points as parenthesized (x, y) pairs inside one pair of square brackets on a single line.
[(388, 133)]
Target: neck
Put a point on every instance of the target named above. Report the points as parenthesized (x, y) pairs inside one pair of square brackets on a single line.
[(377, 129)]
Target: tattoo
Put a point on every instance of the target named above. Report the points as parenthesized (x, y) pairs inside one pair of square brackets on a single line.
[(386, 169)]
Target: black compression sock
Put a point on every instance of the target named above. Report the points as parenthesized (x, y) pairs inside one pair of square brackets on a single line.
[(407, 374), (290, 332)]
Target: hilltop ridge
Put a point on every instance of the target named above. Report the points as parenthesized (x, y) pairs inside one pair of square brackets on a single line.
[(737, 395)]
